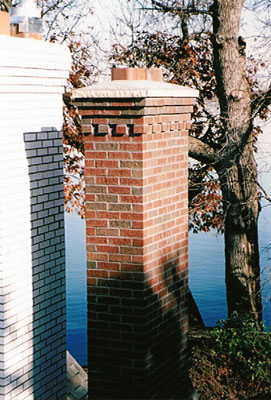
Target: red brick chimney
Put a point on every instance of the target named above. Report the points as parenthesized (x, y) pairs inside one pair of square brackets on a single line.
[(136, 147)]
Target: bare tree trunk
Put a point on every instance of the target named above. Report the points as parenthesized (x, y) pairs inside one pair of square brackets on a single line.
[(236, 167), (239, 190)]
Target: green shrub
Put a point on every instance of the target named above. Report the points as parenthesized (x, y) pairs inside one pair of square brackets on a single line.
[(236, 361), (246, 349)]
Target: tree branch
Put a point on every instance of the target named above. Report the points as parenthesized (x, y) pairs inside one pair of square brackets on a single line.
[(201, 151), (261, 102), (5, 5), (264, 195), (188, 10)]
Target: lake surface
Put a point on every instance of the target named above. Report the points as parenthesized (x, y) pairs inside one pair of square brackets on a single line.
[(206, 276), (76, 287)]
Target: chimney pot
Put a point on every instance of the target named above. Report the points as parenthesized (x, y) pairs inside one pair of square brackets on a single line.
[(26, 18), (135, 74)]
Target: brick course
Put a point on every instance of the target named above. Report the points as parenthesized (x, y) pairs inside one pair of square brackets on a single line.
[(137, 244), (48, 263)]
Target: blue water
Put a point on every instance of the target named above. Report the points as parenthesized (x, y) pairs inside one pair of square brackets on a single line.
[(206, 272), (206, 276), (76, 287)]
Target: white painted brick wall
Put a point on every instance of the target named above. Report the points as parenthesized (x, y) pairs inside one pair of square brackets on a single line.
[(32, 271)]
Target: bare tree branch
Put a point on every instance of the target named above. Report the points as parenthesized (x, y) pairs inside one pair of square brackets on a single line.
[(190, 9), (265, 195), (5, 5), (201, 151)]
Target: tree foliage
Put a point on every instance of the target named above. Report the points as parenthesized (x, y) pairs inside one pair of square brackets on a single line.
[(234, 364), (83, 72)]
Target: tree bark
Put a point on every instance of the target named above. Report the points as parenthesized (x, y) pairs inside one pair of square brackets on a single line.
[(239, 188), (237, 168), (202, 151)]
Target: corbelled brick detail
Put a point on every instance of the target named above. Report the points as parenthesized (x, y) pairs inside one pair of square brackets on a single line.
[(137, 245)]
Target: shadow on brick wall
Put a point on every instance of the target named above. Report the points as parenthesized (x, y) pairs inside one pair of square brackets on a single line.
[(137, 336), (45, 169)]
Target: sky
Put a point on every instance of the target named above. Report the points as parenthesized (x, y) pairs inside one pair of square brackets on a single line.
[(106, 13)]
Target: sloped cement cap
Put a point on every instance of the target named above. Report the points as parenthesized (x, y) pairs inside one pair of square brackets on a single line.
[(133, 88)]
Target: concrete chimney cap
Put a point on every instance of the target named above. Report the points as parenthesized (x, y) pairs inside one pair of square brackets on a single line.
[(134, 88)]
